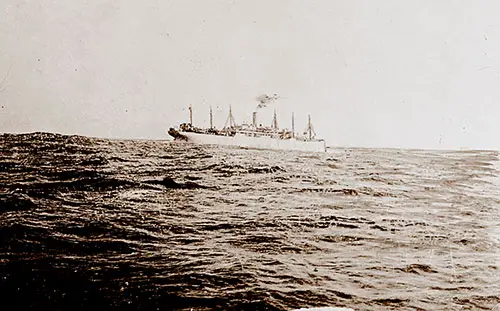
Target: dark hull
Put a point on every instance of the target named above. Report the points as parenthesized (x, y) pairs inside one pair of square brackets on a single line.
[(176, 135)]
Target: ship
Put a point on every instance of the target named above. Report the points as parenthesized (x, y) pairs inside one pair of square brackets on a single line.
[(249, 135)]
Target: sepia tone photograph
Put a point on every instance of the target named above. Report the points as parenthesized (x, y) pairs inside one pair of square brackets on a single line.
[(322, 155)]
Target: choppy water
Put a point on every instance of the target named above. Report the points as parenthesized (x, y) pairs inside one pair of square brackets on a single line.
[(89, 223)]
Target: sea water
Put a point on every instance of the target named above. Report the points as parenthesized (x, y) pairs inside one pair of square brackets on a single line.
[(155, 225)]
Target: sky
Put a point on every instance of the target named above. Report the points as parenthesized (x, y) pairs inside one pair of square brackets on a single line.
[(385, 73)]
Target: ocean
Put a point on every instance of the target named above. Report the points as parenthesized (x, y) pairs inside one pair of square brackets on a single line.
[(156, 225)]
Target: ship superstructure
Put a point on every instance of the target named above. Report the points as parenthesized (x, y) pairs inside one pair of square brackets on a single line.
[(250, 135)]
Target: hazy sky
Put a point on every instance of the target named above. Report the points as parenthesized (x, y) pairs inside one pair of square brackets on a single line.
[(372, 73)]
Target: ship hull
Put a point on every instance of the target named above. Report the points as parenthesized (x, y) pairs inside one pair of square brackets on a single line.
[(244, 141)]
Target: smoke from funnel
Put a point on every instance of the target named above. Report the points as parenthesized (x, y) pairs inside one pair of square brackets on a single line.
[(265, 100)]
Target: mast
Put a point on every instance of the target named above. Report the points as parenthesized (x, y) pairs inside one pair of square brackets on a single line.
[(230, 118), (293, 126), (211, 119), (190, 115), (309, 126)]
